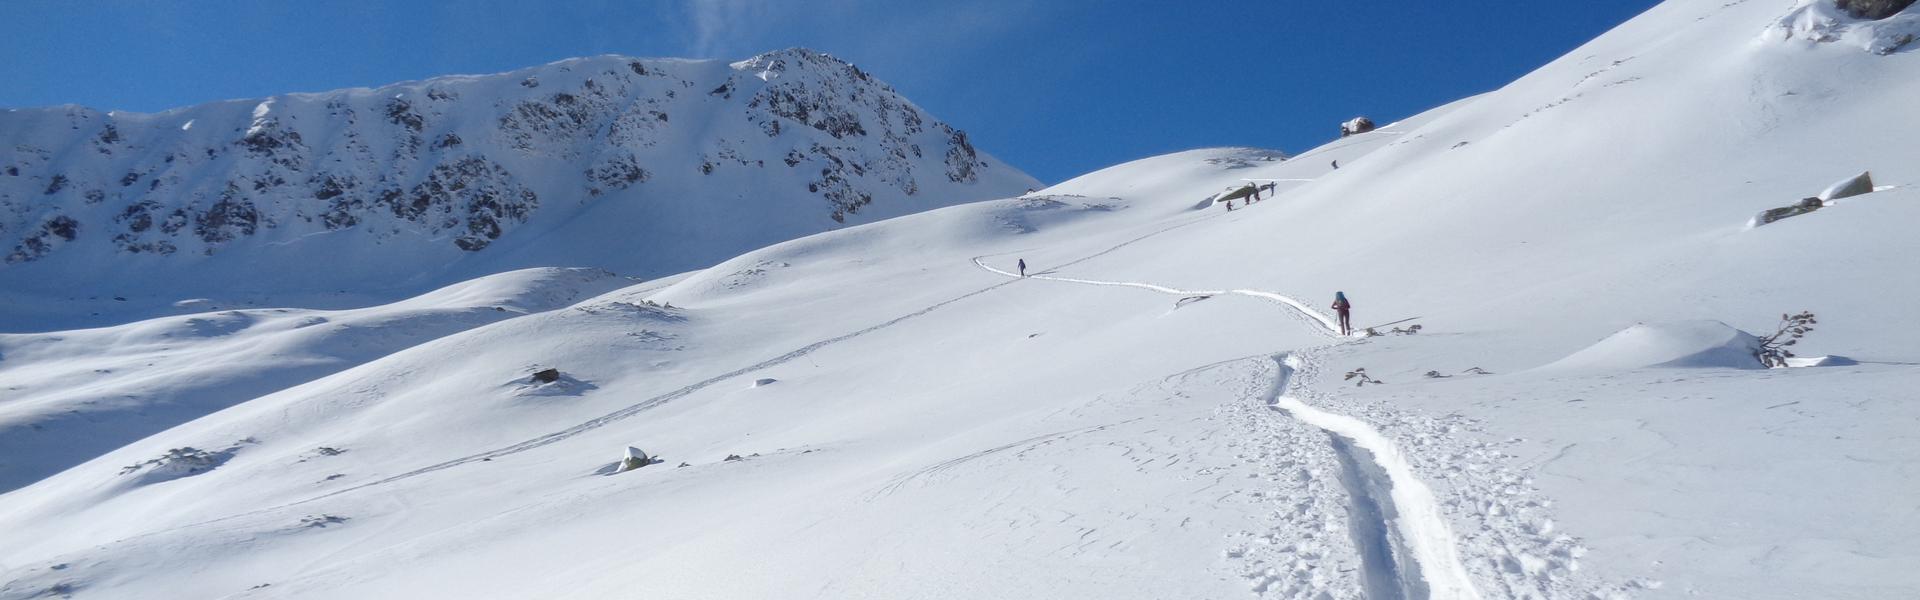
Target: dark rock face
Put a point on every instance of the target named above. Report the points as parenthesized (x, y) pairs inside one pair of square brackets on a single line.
[(53, 232), (231, 217), (546, 376), (1803, 207), (1873, 9)]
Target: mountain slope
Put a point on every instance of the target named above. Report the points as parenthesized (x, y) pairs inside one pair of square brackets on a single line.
[(1160, 409), (144, 377), (643, 166)]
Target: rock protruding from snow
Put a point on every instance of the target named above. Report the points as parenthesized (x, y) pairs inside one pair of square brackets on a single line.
[(1873, 9), (1356, 126), (634, 459), (1851, 186), (424, 174), (1877, 26), (1680, 344), (549, 375), (1770, 215)]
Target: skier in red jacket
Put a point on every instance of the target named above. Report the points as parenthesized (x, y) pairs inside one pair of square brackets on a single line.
[(1344, 308)]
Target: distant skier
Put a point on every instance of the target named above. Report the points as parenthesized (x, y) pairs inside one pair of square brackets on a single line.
[(1023, 267), (1344, 308)]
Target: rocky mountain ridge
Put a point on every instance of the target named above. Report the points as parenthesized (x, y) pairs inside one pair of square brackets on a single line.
[(450, 169)]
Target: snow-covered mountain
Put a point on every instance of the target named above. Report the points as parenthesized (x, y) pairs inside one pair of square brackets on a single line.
[(642, 166), (1162, 408)]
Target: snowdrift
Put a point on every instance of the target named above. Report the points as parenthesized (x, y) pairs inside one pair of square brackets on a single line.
[(1681, 344)]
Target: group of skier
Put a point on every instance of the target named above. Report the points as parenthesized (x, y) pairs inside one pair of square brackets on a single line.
[(1251, 192)]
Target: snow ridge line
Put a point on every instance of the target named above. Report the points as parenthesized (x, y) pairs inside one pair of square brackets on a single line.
[(1423, 562), (1328, 324)]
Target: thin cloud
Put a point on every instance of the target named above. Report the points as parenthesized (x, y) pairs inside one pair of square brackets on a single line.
[(721, 26)]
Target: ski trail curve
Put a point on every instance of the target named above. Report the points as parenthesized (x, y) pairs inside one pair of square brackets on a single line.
[(1327, 324), (1411, 553), (1408, 549)]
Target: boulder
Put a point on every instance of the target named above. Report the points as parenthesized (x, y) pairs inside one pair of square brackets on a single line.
[(1356, 126), (1873, 9), (1774, 214), (634, 459), (546, 376), (1851, 186)]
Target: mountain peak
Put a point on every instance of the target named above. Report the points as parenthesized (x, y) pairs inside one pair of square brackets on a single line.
[(682, 163)]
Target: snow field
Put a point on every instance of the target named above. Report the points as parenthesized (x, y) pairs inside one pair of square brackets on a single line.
[(940, 429)]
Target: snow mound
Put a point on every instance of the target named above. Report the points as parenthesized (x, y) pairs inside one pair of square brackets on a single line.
[(1679, 344), (1822, 21), (1821, 361)]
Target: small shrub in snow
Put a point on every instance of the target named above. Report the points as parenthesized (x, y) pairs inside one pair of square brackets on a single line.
[(1359, 377), (321, 520), (186, 460), (1773, 350)]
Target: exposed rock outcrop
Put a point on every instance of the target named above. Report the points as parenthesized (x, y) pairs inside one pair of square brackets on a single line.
[(464, 162)]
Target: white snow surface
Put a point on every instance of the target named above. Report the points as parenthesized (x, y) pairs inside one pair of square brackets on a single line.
[(1680, 344), (1158, 410)]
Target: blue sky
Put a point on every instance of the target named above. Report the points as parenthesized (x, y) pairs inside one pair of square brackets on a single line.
[(1055, 87)]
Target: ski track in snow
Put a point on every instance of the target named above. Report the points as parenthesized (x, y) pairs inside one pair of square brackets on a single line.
[(1398, 526), (1405, 544), (1406, 547), (1324, 324), (670, 396), (901, 482), (1399, 534)]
